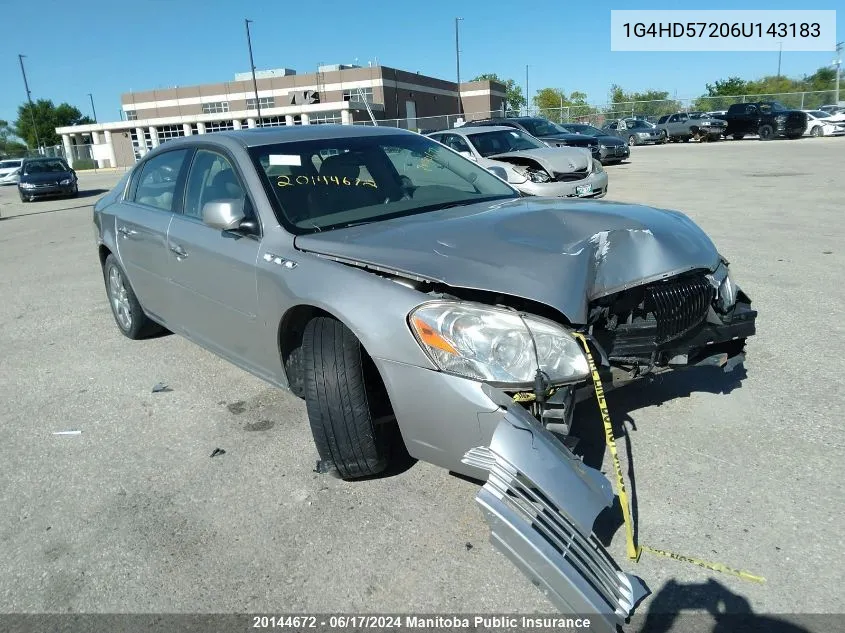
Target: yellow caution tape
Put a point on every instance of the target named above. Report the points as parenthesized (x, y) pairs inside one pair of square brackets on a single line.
[(634, 551)]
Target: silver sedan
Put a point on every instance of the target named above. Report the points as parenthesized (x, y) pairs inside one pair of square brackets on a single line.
[(528, 163)]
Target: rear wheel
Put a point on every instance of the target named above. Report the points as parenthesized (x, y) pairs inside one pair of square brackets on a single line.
[(126, 309), (345, 398), (766, 132)]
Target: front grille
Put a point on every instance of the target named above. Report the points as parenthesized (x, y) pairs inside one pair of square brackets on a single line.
[(579, 174), (583, 552), (678, 306)]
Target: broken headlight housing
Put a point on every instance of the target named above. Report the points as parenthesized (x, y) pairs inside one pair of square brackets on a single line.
[(726, 288), (496, 345)]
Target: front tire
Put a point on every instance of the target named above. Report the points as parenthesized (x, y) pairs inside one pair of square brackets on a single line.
[(341, 395), (126, 310), (766, 132), (632, 140), (816, 131)]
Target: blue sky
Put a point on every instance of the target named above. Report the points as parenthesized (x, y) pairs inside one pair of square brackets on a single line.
[(107, 48)]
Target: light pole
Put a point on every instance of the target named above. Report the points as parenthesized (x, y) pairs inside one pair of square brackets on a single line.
[(90, 96), (780, 53), (458, 64), (838, 63), (29, 98), (252, 68), (527, 102)]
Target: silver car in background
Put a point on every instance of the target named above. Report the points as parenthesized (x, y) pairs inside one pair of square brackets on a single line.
[(528, 163), (10, 171), (405, 292)]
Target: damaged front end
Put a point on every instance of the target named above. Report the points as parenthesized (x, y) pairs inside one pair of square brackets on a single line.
[(541, 502), (700, 318)]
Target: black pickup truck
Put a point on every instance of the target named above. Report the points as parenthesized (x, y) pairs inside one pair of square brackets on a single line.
[(766, 119)]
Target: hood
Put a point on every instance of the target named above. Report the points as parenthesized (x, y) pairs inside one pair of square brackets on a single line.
[(5, 171), (570, 138), (552, 159), (611, 141), (51, 176), (559, 253)]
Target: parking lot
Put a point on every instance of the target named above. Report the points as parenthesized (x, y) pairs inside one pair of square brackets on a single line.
[(133, 515)]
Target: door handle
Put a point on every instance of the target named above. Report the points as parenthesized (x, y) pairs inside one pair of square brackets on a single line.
[(126, 232), (180, 252)]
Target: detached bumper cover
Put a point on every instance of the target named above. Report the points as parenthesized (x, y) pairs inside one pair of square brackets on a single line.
[(541, 502)]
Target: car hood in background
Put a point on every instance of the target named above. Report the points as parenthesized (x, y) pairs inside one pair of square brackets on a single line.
[(553, 159), (562, 254), (570, 138)]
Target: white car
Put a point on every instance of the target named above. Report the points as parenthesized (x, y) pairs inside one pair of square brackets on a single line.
[(10, 171), (820, 123)]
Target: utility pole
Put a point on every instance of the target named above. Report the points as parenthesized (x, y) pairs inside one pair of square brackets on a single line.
[(838, 63), (90, 96), (29, 98), (780, 53), (527, 102), (252, 68), (458, 64)]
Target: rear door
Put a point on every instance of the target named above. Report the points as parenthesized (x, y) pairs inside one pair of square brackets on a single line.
[(141, 223), (213, 271)]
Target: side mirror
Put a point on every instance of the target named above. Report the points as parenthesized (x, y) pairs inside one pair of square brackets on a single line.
[(226, 215), (499, 171), (468, 155)]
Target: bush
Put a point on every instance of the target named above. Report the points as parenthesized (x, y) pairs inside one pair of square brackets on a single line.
[(82, 164)]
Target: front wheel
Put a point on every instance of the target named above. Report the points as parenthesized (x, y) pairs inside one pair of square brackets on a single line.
[(766, 132), (816, 131), (632, 140), (344, 398), (664, 138)]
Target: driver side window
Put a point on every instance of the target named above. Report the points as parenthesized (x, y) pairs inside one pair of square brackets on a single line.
[(212, 178)]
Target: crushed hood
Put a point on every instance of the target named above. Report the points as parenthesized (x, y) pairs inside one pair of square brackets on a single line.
[(560, 253), (553, 159)]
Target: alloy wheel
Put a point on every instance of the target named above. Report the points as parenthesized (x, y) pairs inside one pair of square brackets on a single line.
[(119, 299)]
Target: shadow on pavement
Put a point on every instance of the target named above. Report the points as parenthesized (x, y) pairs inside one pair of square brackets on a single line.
[(589, 429), (715, 609)]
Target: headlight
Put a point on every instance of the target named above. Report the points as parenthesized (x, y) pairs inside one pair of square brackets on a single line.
[(597, 167), (27, 185), (66, 181), (495, 345), (726, 288)]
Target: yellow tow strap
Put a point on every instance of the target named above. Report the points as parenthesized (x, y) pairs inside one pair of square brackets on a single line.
[(634, 551)]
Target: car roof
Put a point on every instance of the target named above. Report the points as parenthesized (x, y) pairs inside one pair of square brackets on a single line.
[(38, 159), (469, 129), (255, 137)]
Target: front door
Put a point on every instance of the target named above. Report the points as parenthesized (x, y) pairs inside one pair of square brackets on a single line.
[(213, 271), (141, 228)]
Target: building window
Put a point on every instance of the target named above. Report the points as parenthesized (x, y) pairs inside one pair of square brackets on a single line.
[(218, 126), (354, 94), (131, 115), (271, 121), (215, 107), (168, 132), (264, 102), (325, 117)]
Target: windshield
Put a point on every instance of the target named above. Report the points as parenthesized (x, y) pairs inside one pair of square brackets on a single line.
[(44, 167), (773, 106), (502, 141), (638, 125), (581, 128), (816, 113), (9, 164), (541, 127), (334, 183)]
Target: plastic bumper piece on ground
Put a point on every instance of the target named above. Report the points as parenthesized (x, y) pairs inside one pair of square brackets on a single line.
[(541, 502)]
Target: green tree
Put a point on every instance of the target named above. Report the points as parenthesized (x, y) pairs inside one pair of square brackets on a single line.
[(647, 103), (513, 92), (555, 105), (9, 146), (47, 117)]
